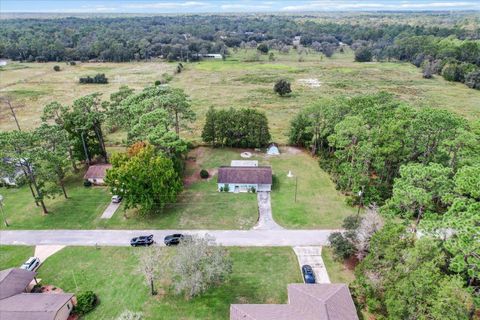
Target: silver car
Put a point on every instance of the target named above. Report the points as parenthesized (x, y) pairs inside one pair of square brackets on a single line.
[(31, 264)]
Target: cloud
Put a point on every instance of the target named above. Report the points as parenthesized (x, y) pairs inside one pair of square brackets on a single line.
[(346, 5), (167, 5), (245, 7)]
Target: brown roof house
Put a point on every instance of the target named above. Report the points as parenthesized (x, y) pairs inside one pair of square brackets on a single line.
[(243, 179), (324, 301), (96, 173), (16, 304)]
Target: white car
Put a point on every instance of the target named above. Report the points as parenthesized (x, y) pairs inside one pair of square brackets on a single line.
[(116, 199), (31, 264)]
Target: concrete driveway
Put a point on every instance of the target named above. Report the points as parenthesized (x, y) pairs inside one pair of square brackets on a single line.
[(110, 210), (313, 256), (244, 238), (265, 218)]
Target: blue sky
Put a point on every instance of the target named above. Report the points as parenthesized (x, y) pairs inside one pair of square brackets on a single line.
[(218, 6)]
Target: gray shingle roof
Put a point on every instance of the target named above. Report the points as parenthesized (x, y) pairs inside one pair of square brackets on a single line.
[(33, 306), (97, 171), (14, 281), (306, 302), (245, 175)]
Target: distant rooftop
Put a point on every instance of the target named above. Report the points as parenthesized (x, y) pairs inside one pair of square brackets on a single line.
[(97, 171)]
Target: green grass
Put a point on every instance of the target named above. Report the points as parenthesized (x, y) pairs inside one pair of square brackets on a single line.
[(318, 204), (260, 275), (337, 271), (14, 256)]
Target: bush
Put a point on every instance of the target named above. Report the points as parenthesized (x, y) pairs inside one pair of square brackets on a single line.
[(282, 87), (86, 302), (158, 82), (72, 63), (363, 54), (341, 246), (98, 79), (351, 222), (56, 68), (204, 174), (87, 183), (226, 188), (472, 80), (263, 48)]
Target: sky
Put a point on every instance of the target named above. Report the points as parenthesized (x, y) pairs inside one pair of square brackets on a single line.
[(221, 6)]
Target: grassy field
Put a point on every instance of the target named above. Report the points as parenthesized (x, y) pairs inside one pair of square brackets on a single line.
[(14, 256), (337, 271), (260, 275), (236, 83)]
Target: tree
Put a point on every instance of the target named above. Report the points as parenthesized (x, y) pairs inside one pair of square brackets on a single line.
[(146, 180), (472, 79), (198, 265), (152, 264), (263, 48), (363, 54), (371, 223), (282, 87)]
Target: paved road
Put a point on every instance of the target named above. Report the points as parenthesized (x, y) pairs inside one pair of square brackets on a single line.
[(110, 210), (122, 237), (265, 218)]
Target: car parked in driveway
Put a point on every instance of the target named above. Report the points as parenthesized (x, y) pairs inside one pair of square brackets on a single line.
[(174, 239), (31, 264), (116, 199), (308, 274), (142, 241)]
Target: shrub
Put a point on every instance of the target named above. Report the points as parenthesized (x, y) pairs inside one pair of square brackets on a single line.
[(282, 87), (472, 80), (158, 82), (263, 48), (98, 79), (204, 174), (86, 302), (87, 183), (363, 54), (351, 222), (72, 63), (253, 190), (341, 246), (56, 68), (226, 188)]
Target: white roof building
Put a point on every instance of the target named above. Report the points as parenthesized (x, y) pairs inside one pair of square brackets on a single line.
[(244, 163)]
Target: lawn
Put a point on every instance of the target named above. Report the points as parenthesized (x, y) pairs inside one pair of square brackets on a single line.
[(318, 204), (260, 275), (14, 256), (337, 270)]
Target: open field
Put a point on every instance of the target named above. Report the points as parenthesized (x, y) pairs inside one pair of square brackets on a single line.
[(260, 275), (236, 83), (14, 256)]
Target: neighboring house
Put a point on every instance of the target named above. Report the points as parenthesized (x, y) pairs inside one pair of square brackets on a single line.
[(96, 173), (16, 304), (244, 163), (243, 179), (273, 150), (296, 40), (305, 302), (208, 55)]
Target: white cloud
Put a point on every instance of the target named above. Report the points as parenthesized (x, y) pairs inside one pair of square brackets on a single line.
[(167, 5), (244, 7), (329, 5)]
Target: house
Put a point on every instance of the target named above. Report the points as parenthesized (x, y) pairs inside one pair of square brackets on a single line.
[(296, 40), (208, 55), (273, 150), (244, 163), (243, 179), (96, 173), (305, 301), (16, 304)]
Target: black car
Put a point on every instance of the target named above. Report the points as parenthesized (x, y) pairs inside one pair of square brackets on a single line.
[(308, 274), (142, 241), (173, 239)]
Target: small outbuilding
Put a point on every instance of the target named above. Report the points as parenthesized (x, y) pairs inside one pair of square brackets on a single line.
[(244, 179), (244, 163), (273, 150), (96, 173)]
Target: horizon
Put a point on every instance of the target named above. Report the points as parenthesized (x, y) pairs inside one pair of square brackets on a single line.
[(239, 6)]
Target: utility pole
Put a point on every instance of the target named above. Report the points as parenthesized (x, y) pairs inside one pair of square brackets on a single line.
[(3, 212), (360, 194)]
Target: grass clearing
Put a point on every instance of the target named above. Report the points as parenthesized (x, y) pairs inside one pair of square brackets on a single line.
[(338, 272), (260, 275), (14, 256)]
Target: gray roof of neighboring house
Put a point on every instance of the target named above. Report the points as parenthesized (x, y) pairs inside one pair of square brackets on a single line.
[(14, 281), (306, 302), (245, 175), (97, 171), (33, 306)]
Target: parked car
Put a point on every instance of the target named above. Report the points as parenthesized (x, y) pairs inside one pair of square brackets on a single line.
[(142, 241), (174, 239), (308, 274), (116, 199), (31, 264)]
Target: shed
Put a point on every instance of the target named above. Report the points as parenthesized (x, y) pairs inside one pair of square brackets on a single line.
[(244, 163), (244, 179), (96, 173)]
